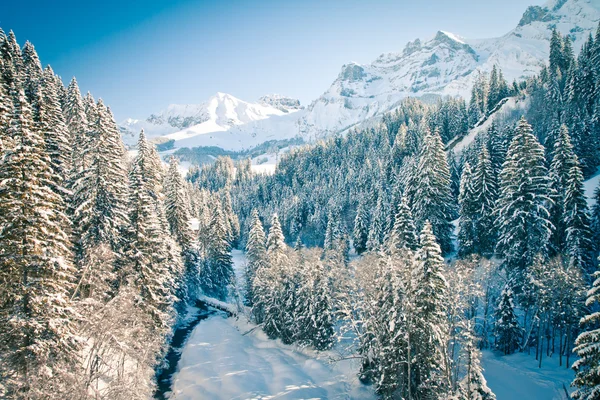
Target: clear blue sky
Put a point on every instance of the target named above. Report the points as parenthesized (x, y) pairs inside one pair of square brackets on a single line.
[(140, 56)]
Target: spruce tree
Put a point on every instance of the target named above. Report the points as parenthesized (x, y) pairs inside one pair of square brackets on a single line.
[(77, 123), (432, 199), (473, 386), (587, 379), (467, 235), (256, 251), (430, 323), (217, 274), (360, 233), (563, 160), (577, 221), (485, 190), (508, 331), (37, 336), (403, 234), (523, 218), (176, 207)]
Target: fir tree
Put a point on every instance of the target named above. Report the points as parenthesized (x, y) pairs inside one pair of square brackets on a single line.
[(217, 273), (523, 219), (256, 250), (577, 221), (485, 190), (360, 233), (430, 323), (467, 235), (403, 234), (432, 199), (37, 336), (587, 379), (508, 331)]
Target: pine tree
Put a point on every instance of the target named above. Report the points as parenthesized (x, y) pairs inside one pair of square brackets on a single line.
[(577, 221), (467, 235), (563, 160), (77, 123), (360, 233), (587, 379), (378, 226), (403, 234), (146, 255), (485, 190), (256, 251), (508, 331), (217, 274), (474, 385), (432, 199), (431, 369), (176, 207), (32, 70), (37, 336), (523, 219), (100, 191)]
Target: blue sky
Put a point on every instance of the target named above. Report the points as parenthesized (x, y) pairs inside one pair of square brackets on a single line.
[(140, 56)]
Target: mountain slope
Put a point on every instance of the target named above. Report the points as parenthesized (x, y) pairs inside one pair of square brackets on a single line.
[(447, 64), (220, 113)]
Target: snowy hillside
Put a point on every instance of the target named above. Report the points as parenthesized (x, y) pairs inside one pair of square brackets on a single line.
[(446, 65), (220, 113)]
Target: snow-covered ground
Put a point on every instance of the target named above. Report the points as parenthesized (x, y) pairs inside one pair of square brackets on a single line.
[(220, 362), (225, 358), (518, 377)]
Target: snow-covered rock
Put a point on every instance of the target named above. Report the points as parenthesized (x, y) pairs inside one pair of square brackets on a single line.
[(181, 121), (283, 103), (446, 64)]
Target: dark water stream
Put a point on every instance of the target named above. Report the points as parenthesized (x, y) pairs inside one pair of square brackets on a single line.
[(164, 375)]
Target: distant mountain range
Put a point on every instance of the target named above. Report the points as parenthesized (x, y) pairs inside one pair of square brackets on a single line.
[(447, 64)]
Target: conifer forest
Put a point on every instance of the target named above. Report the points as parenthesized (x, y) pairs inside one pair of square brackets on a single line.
[(412, 254)]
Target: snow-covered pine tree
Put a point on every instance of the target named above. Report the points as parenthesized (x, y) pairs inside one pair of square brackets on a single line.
[(473, 386), (100, 191), (313, 313), (217, 274), (32, 70), (577, 221), (38, 341), (523, 218), (403, 234), (563, 160), (431, 370), (77, 123), (360, 233), (507, 329), (467, 235), (256, 251), (587, 379), (176, 208), (145, 266), (485, 189), (379, 218), (54, 130), (432, 199)]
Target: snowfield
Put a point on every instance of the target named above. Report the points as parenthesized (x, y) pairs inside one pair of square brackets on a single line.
[(227, 358), (220, 362), (517, 376)]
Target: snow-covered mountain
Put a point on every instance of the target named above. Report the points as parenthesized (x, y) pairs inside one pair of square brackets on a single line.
[(446, 64), (220, 113)]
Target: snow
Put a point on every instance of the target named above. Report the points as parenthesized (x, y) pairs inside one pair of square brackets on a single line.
[(220, 362), (229, 358), (517, 376), (446, 64), (590, 186), (510, 105)]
